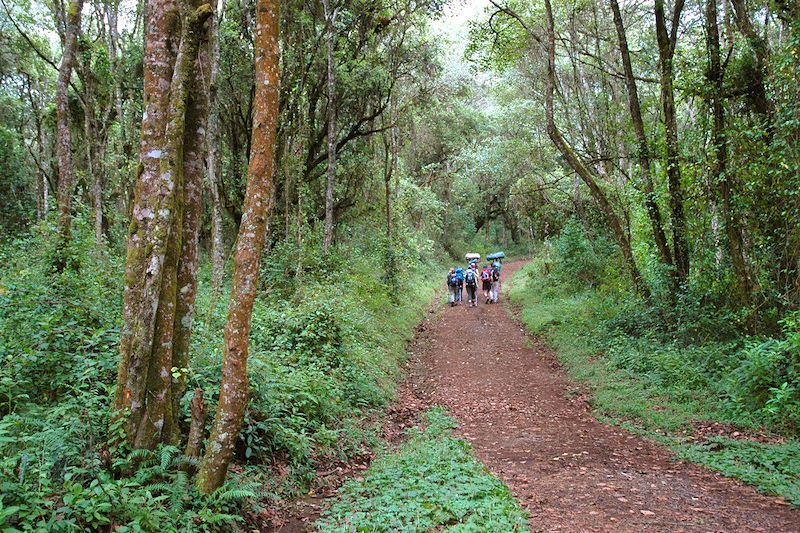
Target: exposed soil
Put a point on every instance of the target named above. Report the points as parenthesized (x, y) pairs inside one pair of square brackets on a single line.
[(532, 427)]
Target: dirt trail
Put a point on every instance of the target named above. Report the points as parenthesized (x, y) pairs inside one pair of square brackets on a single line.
[(571, 472)]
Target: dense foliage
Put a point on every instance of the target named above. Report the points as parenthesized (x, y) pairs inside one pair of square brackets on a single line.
[(650, 153), (322, 356)]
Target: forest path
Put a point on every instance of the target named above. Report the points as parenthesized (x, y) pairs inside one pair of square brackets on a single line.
[(571, 472)]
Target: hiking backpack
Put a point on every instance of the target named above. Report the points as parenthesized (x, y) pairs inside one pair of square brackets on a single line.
[(460, 274), (452, 280), (495, 274), (486, 274), (470, 278)]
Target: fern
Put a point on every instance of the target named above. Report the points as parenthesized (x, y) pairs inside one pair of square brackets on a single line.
[(226, 494), (166, 454), (214, 519)]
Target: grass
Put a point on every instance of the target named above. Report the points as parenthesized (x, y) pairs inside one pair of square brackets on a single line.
[(658, 389), (431, 483)]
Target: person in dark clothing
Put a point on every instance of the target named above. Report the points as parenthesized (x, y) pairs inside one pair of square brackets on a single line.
[(471, 281)]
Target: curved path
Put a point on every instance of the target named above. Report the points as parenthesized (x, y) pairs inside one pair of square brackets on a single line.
[(571, 472)]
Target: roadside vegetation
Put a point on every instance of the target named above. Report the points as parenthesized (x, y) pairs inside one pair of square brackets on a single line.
[(677, 373), (432, 482), (324, 356)]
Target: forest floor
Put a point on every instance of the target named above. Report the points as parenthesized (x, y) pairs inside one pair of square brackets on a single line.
[(533, 428)]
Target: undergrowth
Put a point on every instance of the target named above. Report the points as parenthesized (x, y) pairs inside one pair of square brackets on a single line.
[(326, 348), (669, 379), (431, 483)]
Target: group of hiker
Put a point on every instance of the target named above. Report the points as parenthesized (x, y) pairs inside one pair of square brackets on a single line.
[(488, 278)]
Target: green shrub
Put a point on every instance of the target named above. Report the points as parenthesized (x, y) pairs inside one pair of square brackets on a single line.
[(326, 348), (658, 378), (767, 379), (432, 483)]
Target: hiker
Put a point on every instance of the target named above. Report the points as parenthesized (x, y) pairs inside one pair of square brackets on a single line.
[(471, 281), (452, 286), (494, 293), (486, 282), (460, 277)]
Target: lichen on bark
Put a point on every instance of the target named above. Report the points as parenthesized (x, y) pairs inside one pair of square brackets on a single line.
[(252, 235), (144, 381)]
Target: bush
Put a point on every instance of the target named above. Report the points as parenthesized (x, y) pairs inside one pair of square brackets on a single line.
[(326, 348), (767, 379)]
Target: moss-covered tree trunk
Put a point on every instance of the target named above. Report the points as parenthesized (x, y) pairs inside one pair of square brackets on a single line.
[(64, 136), (214, 163), (643, 150), (195, 149), (252, 235), (666, 51), (147, 344), (720, 174)]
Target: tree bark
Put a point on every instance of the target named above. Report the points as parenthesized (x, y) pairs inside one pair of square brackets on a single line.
[(64, 137), (214, 161), (643, 151), (758, 92), (144, 380), (92, 147), (720, 173), (252, 235), (330, 18), (574, 161), (666, 51), (195, 152), (194, 442)]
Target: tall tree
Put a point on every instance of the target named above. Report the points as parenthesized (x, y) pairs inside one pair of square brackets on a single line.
[(720, 173), (214, 163), (330, 188), (144, 381), (667, 40), (579, 166), (234, 390), (642, 149), (64, 136)]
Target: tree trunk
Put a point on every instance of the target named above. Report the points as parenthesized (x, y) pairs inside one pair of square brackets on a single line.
[(144, 383), (760, 48), (214, 160), (643, 151), (195, 152), (666, 51), (64, 136), (574, 161), (395, 148), (720, 173), (194, 441), (92, 147), (252, 235), (330, 18)]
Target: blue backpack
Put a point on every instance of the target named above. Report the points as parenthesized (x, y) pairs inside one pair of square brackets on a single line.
[(460, 274), (470, 278), (452, 280)]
